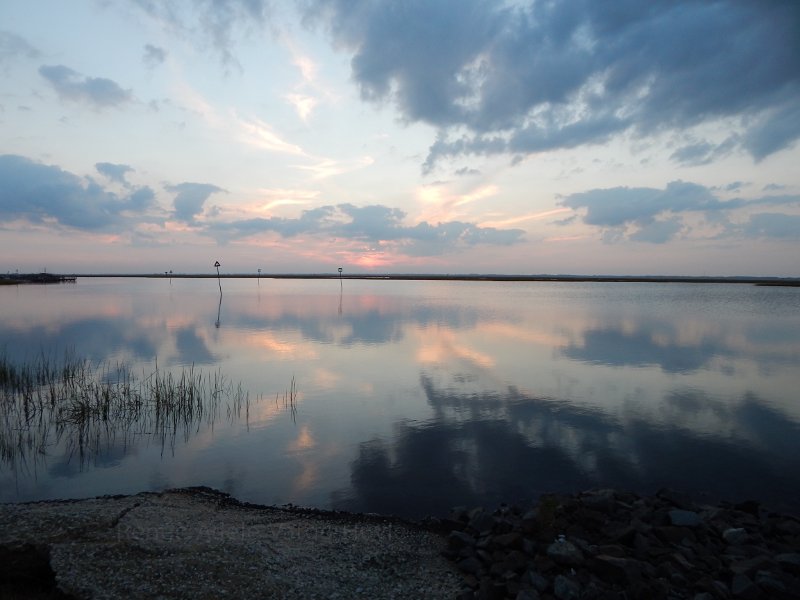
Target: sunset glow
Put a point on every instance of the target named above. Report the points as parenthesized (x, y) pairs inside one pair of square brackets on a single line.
[(298, 137)]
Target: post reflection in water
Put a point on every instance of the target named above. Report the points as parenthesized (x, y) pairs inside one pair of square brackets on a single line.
[(425, 395)]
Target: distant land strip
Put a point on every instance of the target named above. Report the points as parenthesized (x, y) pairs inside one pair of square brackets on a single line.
[(752, 280)]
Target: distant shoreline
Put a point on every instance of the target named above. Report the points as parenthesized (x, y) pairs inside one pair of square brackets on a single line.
[(751, 280), (766, 281)]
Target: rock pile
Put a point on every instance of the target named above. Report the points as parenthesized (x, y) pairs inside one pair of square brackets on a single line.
[(614, 545)]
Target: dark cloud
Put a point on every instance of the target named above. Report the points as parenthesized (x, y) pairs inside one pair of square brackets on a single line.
[(373, 224), (703, 153), (658, 232), (776, 131), (734, 186), (153, 56), (654, 215), (465, 171), (40, 193), (140, 200), (536, 76), (113, 171), (773, 225), (220, 21), (13, 46), (190, 197), (96, 91), (618, 206)]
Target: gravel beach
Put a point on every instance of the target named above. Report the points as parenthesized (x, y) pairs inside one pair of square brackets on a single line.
[(199, 543)]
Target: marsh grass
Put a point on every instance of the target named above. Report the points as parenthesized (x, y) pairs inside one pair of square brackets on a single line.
[(289, 400), (84, 409)]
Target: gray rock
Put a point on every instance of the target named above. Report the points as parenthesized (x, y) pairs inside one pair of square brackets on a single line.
[(565, 588), (482, 522), (457, 540), (601, 500), (769, 583), (743, 587), (735, 535), (684, 518), (612, 568), (509, 540), (789, 526), (720, 588), (749, 566), (470, 565), (565, 553), (539, 582), (789, 561)]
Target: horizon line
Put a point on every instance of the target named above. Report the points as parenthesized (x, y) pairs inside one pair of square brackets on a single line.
[(433, 276)]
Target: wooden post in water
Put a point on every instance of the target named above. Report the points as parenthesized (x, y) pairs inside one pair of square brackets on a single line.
[(219, 281)]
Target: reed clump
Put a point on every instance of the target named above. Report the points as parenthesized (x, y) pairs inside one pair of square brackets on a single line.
[(82, 408)]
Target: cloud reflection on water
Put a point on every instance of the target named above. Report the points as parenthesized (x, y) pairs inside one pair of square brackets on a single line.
[(507, 447), (618, 347), (429, 395)]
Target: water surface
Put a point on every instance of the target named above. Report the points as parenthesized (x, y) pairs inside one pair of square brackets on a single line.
[(416, 396)]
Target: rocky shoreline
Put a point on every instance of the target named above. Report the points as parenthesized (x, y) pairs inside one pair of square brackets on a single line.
[(607, 544), (201, 543)]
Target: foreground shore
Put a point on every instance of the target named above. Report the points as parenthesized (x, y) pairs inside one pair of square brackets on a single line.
[(200, 543)]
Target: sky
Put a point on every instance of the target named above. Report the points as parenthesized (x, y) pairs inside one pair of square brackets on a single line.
[(624, 137)]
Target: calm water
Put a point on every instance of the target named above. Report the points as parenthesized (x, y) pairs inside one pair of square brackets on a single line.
[(413, 397)]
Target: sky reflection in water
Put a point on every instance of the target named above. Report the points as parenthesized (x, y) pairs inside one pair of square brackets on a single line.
[(417, 396)]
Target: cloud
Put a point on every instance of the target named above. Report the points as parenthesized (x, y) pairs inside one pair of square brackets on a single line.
[(303, 105), (153, 56), (703, 153), (96, 91), (775, 131), (614, 207), (190, 198), (45, 194), (658, 232), (374, 225), (773, 225), (734, 186), (219, 22), (113, 171), (259, 134), (522, 78), (13, 46), (140, 200), (654, 215)]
